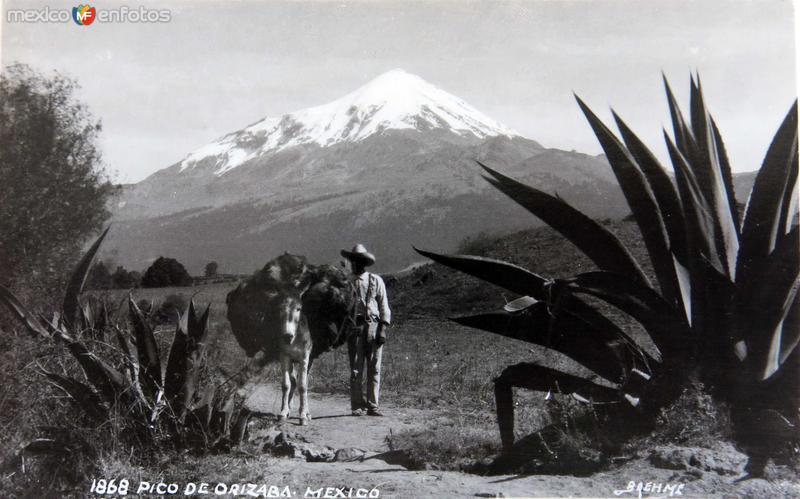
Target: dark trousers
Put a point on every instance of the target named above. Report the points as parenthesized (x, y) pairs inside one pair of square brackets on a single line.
[(364, 355)]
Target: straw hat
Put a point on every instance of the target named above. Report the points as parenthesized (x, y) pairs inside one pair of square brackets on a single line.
[(359, 252)]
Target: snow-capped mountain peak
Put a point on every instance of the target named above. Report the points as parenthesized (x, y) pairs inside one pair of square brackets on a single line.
[(395, 100)]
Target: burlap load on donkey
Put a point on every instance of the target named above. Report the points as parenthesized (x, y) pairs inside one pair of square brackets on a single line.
[(327, 299)]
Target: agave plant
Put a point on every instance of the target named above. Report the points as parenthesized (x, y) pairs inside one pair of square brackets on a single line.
[(150, 403), (723, 304)]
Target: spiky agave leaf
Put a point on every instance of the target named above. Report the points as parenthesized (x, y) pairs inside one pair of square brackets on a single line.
[(765, 301), (791, 199), (30, 322), (601, 351), (177, 368), (503, 274), (683, 135), (132, 365), (763, 219), (641, 201), (147, 351), (701, 243), (109, 382), (78, 280), (699, 280), (659, 318), (594, 240), (54, 327), (185, 360), (701, 231), (715, 297), (663, 190), (776, 355), (714, 181), (198, 327), (81, 394), (670, 206), (524, 282), (790, 335), (86, 316), (697, 213), (726, 173), (561, 378), (596, 320)]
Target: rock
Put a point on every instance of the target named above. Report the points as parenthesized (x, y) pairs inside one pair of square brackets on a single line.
[(317, 453), (280, 444), (723, 460), (758, 487), (349, 454), (285, 444), (399, 457)]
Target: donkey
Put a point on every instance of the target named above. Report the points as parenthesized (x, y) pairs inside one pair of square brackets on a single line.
[(295, 348), (291, 312)]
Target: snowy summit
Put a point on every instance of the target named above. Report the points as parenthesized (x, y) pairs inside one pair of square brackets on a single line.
[(395, 100)]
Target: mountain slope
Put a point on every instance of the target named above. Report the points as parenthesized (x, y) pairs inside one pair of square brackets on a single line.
[(390, 164)]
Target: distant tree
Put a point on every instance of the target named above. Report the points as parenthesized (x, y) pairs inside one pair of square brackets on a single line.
[(135, 278), (478, 244), (122, 279), (99, 277), (166, 272), (53, 188), (211, 269)]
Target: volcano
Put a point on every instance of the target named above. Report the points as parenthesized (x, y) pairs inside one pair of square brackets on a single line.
[(390, 164)]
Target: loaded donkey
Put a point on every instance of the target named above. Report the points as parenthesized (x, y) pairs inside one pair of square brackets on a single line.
[(291, 312)]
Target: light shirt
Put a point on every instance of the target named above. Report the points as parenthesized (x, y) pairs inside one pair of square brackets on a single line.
[(374, 301)]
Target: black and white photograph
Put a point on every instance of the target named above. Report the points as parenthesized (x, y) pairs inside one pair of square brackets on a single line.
[(399, 249)]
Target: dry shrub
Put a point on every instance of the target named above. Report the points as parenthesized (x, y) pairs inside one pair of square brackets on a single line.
[(479, 244), (694, 419), (455, 445), (171, 308)]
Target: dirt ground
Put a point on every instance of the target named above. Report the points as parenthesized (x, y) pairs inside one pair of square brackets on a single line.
[(333, 425), (360, 458)]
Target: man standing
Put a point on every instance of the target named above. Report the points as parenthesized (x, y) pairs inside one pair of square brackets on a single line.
[(365, 341)]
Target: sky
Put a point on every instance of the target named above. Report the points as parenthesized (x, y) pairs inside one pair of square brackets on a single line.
[(163, 90)]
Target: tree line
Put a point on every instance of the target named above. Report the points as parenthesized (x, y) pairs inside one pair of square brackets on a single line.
[(163, 272)]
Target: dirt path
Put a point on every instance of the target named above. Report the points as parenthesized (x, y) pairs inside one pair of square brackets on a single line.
[(333, 425), (367, 463)]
